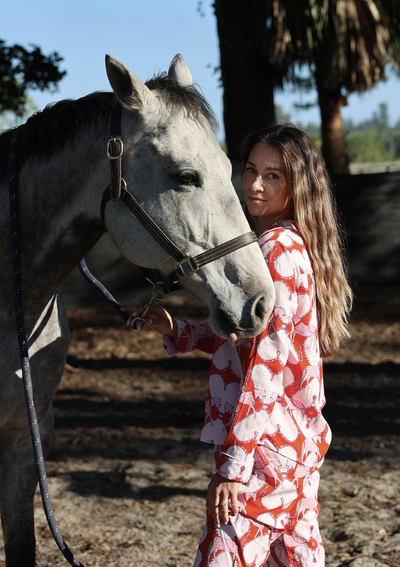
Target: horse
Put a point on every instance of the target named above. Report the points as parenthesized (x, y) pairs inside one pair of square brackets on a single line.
[(173, 164)]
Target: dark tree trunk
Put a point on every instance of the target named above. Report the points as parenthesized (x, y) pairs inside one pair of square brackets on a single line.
[(334, 147), (245, 69)]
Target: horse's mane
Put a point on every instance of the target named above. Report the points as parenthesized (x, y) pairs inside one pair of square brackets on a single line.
[(46, 132)]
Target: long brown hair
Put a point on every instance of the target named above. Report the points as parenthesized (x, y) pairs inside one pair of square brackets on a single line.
[(315, 214)]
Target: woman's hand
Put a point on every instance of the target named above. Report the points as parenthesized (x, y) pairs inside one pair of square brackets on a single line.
[(222, 491), (158, 318)]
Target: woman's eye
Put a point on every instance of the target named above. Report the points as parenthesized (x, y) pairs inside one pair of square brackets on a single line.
[(273, 176), (187, 178), (250, 170)]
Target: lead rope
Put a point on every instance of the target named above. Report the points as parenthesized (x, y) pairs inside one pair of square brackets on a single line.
[(112, 302), (23, 350)]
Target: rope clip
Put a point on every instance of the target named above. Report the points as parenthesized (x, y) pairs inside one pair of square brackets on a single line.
[(155, 299)]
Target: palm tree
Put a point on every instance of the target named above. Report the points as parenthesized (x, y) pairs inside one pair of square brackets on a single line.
[(347, 45)]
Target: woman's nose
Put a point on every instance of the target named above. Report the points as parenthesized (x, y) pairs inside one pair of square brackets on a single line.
[(257, 184)]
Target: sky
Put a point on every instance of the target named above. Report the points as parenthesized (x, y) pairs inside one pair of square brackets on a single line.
[(146, 35)]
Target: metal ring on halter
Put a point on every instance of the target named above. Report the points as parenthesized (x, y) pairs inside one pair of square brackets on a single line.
[(109, 151), (159, 296), (224, 504)]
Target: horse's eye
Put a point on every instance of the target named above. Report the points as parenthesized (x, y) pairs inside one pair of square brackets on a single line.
[(187, 178)]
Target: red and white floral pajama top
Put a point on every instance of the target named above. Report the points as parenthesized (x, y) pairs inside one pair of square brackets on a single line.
[(263, 414)]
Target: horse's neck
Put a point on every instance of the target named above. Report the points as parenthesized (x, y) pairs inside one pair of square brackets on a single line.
[(60, 203)]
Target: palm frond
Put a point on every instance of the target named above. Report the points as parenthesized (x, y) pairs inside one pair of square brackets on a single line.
[(350, 40)]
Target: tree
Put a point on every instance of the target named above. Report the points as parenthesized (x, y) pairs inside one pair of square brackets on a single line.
[(246, 69), (22, 70), (9, 119), (381, 118), (373, 140), (345, 43)]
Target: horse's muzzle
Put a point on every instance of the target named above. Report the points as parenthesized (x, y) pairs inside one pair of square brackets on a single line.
[(249, 323)]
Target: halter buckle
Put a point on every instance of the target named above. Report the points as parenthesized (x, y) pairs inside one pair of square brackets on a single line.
[(180, 267), (121, 150)]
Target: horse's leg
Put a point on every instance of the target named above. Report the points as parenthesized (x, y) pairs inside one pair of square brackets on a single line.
[(17, 489)]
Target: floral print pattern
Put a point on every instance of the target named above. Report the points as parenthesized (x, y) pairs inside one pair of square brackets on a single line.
[(264, 415)]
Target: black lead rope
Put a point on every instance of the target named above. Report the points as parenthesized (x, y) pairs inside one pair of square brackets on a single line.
[(23, 349), (112, 302)]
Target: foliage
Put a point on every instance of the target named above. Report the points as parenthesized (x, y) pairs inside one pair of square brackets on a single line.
[(224, 147), (370, 145), (349, 42), (314, 131), (372, 140), (9, 119), (22, 70), (281, 117)]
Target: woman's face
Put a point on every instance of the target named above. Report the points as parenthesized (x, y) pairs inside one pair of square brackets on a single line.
[(267, 191)]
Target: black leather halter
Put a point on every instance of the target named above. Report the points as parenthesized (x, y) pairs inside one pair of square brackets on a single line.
[(185, 265)]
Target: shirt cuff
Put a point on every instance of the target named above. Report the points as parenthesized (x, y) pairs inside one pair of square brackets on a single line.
[(175, 346), (234, 464)]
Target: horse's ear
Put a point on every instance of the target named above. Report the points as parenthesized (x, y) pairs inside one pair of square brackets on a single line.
[(180, 72), (130, 91)]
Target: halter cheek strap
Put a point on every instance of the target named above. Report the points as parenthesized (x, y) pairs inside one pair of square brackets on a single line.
[(115, 149), (185, 265)]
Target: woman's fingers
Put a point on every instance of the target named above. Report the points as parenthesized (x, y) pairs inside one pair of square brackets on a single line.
[(134, 312), (212, 504), (223, 510), (162, 322), (218, 508), (222, 499), (137, 311), (159, 319)]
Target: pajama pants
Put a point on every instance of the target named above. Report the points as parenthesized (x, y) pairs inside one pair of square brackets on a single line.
[(277, 523)]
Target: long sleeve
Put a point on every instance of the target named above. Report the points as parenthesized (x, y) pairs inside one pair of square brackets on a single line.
[(191, 336), (281, 396)]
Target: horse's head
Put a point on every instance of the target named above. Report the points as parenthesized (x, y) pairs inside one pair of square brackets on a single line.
[(174, 166)]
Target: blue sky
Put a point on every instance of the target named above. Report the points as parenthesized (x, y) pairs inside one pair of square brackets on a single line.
[(146, 36)]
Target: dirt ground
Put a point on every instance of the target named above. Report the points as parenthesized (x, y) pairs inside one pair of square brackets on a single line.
[(128, 475)]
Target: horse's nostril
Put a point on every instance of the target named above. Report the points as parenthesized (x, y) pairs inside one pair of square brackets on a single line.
[(225, 322), (261, 308)]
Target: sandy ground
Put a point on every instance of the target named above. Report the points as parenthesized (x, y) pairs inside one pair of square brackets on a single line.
[(127, 473)]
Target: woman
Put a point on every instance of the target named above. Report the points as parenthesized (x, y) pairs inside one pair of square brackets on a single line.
[(264, 405)]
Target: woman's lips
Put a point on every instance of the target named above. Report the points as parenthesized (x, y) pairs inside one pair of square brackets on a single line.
[(256, 199)]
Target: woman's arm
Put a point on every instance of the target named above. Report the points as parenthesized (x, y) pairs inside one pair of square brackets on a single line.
[(179, 335)]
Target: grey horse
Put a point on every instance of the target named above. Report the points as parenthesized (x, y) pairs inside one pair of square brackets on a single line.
[(173, 164)]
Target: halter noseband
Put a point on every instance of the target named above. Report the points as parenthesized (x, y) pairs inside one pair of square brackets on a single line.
[(185, 265)]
